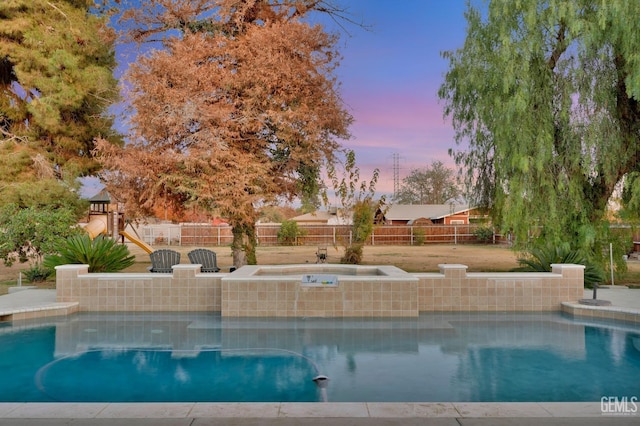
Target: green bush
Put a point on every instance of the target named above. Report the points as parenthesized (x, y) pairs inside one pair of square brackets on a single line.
[(30, 233), (37, 273), (361, 230), (290, 232), (418, 236), (483, 234), (102, 254), (540, 259)]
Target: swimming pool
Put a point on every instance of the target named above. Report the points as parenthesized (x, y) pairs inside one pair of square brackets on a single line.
[(456, 357)]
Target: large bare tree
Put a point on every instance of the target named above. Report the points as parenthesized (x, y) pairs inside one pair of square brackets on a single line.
[(435, 184), (238, 107)]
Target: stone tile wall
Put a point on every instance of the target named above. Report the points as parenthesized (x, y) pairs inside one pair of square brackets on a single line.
[(453, 289), (185, 290), (287, 297)]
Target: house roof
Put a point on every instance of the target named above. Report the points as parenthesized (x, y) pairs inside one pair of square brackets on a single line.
[(428, 211), (323, 216), (317, 216)]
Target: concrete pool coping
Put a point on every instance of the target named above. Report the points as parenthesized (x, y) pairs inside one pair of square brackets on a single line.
[(444, 413), (374, 413)]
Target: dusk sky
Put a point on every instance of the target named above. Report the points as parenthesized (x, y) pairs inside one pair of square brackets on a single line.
[(390, 77)]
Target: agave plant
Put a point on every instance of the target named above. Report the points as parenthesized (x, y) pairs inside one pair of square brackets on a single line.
[(541, 258), (102, 254)]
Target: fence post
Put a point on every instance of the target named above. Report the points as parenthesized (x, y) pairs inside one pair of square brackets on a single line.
[(411, 235), (455, 235)]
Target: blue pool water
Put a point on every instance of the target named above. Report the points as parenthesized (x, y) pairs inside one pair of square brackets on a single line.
[(203, 357)]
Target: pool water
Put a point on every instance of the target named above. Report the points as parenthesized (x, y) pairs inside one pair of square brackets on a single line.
[(133, 357)]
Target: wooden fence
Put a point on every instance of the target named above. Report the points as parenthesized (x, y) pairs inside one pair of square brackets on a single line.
[(316, 235)]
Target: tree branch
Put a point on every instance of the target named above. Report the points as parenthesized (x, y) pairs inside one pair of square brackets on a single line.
[(560, 47)]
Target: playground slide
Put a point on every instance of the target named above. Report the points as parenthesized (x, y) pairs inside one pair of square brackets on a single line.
[(96, 227), (144, 246)]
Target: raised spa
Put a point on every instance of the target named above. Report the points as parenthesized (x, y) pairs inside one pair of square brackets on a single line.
[(320, 291)]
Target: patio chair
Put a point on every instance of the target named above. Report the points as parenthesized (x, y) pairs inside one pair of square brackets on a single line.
[(206, 258), (321, 255), (163, 260)]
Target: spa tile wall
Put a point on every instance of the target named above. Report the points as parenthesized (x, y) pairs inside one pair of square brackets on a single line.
[(290, 298)]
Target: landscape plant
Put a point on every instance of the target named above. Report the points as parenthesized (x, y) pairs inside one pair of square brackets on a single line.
[(544, 98), (30, 233), (102, 254), (37, 273), (418, 236), (540, 257), (484, 234), (289, 232), (358, 206)]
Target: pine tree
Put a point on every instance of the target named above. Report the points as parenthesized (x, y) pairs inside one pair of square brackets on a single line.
[(56, 83)]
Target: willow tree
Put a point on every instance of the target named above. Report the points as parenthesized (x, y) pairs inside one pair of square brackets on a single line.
[(236, 109), (56, 83), (543, 96)]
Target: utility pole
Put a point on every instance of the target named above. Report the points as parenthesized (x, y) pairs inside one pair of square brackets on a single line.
[(396, 174)]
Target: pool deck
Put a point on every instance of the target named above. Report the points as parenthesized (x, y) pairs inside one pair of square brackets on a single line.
[(34, 302)]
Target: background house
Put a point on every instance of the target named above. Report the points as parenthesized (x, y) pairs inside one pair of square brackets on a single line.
[(323, 217), (427, 214)]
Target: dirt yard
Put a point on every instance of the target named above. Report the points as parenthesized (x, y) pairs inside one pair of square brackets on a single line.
[(409, 258)]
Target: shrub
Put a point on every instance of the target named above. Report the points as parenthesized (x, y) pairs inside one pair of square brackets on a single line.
[(352, 254), (418, 236), (37, 273), (289, 233), (361, 230), (541, 258), (483, 234), (102, 254), (31, 233)]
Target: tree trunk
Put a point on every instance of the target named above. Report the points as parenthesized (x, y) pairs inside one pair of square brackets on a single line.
[(243, 247)]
